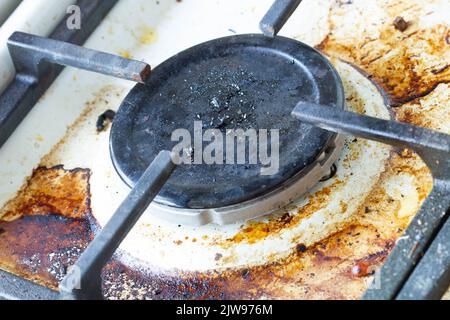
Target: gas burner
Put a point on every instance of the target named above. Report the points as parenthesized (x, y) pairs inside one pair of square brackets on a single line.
[(238, 82), (202, 83)]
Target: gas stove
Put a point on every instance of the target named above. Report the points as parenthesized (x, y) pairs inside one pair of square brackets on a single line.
[(340, 209)]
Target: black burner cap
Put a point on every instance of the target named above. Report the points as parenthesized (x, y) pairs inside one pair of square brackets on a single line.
[(238, 82)]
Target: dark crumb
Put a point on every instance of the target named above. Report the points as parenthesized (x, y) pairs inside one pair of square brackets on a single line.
[(157, 292), (400, 24), (179, 1), (366, 209), (301, 248), (2, 231), (245, 274), (286, 218), (104, 119), (218, 257)]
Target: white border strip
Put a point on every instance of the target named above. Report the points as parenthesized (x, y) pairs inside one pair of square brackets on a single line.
[(38, 17)]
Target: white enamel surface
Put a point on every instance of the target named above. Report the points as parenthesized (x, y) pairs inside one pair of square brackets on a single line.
[(155, 241), (152, 32), (38, 17), (6, 7)]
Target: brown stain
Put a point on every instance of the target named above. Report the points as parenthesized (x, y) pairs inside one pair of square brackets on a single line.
[(47, 226), (431, 111), (325, 270), (314, 273), (379, 209), (41, 247), (51, 191), (255, 231), (49, 222), (47, 233), (407, 65)]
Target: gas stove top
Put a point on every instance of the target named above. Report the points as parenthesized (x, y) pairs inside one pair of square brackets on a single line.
[(60, 187)]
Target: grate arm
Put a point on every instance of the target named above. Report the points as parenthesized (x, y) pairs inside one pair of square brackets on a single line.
[(83, 282), (434, 149), (277, 16)]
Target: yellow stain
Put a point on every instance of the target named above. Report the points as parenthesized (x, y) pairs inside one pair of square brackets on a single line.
[(125, 54), (39, 138), (148, 36)]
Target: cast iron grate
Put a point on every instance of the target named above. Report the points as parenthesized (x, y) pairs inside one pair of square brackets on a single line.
[(418, 267)]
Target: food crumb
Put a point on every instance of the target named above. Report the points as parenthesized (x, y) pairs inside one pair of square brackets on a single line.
[(104, 119), (400, 24), (301, 248)]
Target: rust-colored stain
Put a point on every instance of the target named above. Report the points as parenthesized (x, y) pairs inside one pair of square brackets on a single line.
[(431, 111), (256, 231), (322, 271), (46, 227), (54, 191), (41, 247), (406, 64)]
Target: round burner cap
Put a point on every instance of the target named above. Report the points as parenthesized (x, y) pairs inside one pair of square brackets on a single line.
[(247, 82)]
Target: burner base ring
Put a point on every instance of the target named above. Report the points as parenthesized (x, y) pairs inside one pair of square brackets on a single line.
[(269, 203)]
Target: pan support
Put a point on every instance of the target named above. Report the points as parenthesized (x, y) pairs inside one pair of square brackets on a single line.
[(29, 85), (83, 281), (419, 265), (38, 62)]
